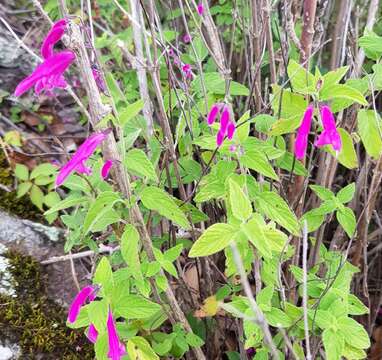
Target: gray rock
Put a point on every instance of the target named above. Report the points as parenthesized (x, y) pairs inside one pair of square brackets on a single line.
[(6, 280), (9, 351)]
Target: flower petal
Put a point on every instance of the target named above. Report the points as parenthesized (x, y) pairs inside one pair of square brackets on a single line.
[(78, 302), (92, 334), (231, 130), (116, 347), (301, 142), (220, 138), (224, 120), (212, 115), (106, 168), (54, 35)]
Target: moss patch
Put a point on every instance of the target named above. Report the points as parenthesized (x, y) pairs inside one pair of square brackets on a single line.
[(9, 201), (34, 322)]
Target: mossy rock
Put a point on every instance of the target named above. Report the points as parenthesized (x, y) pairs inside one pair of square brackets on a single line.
[(9, 201), (34, 322)]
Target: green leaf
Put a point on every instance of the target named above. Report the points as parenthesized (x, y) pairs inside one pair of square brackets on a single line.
[(264, 298), (333, 77), (136, 307), (13, 138), (101, 213), (257, 161), (130, 250), (352, 353), (37, 196), (347, 157), (369, 129), (322, 192), (21, 172), (23, 188), (156, 199), (194, 340), (214, 239), (68, 202), (254, 230), (347, 220), (346, 194), (46, 169), (97, 312), (139, 348), (130, 111), (343, 92), (354, 333), (51, 199), (274, 207), (137, 162), (333, 343), (104, 275), (293, 105), (284, 126), (302, 81), (113, 86), (278, 318), (356, 306), (372, 44), (240, 204)]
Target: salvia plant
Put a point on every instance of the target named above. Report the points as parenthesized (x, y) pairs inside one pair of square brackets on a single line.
[(197, 186)]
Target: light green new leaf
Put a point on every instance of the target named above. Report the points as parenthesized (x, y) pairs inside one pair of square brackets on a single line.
[(46, 169), (257, 161), (322, 192), (333, 77), (370, 131), (130, 250), (23, 188), (130, 111), (137, 162), (333, 343), (240, 204), (254, 231), (21, 172), (274, 207), (139, 348), (214, 239), (136, 307), (37, 196), (347, 156), (68, 202), (302, 80), (346, 194), (355, 334), (104, 275), (157, 199), (347, 220), (344, 92)]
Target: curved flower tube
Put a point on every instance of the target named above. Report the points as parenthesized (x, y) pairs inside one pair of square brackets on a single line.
[(88, 292), (301, 142), (83, 153), (54, 35), (48, 75), (224, 120), (212, 115), (329, 135), (231, 130), (200, 8), (92, 334), (106, 168), (116, 347)]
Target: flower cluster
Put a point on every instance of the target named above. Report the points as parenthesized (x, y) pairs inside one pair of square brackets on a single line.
[(49, 75), (116, 347), (227, 127), (328, 136)]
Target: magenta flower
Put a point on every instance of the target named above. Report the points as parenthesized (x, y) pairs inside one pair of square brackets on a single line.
[(116, 347), (48, 75), (224, 120), (200, 8), (88, 292), (231, 128), (186, 69), (92, 334), (54, 35), (212, 115), (301, 142), (329, 135), (106, 168), (186, 38), (220, 138), (83, 153)]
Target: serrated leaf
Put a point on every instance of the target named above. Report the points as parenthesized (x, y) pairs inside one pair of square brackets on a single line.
[(347, 220), (104, 275), (322, 192), (343, 92), (133, 306), (370, 130), (139, 348), (68, 202), (130, 111), (355, 334), (274, 207), (156, 199), (240, 204), (255, 160), (347, 156), (137, 162), (333, 343), (130, 250), (254, 230), (346, 194), (302, 81), (214, 239)]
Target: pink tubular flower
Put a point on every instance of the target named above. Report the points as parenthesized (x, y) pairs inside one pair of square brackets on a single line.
[(47, 75), (200, 8), (54, 35), (106, 168), (88, 292), (212, 115), (329, 135), (187, 38), (224, 120), (92, 334), (220, 138), (301, 142), (83, 153), (230, 130), (116, 347)]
